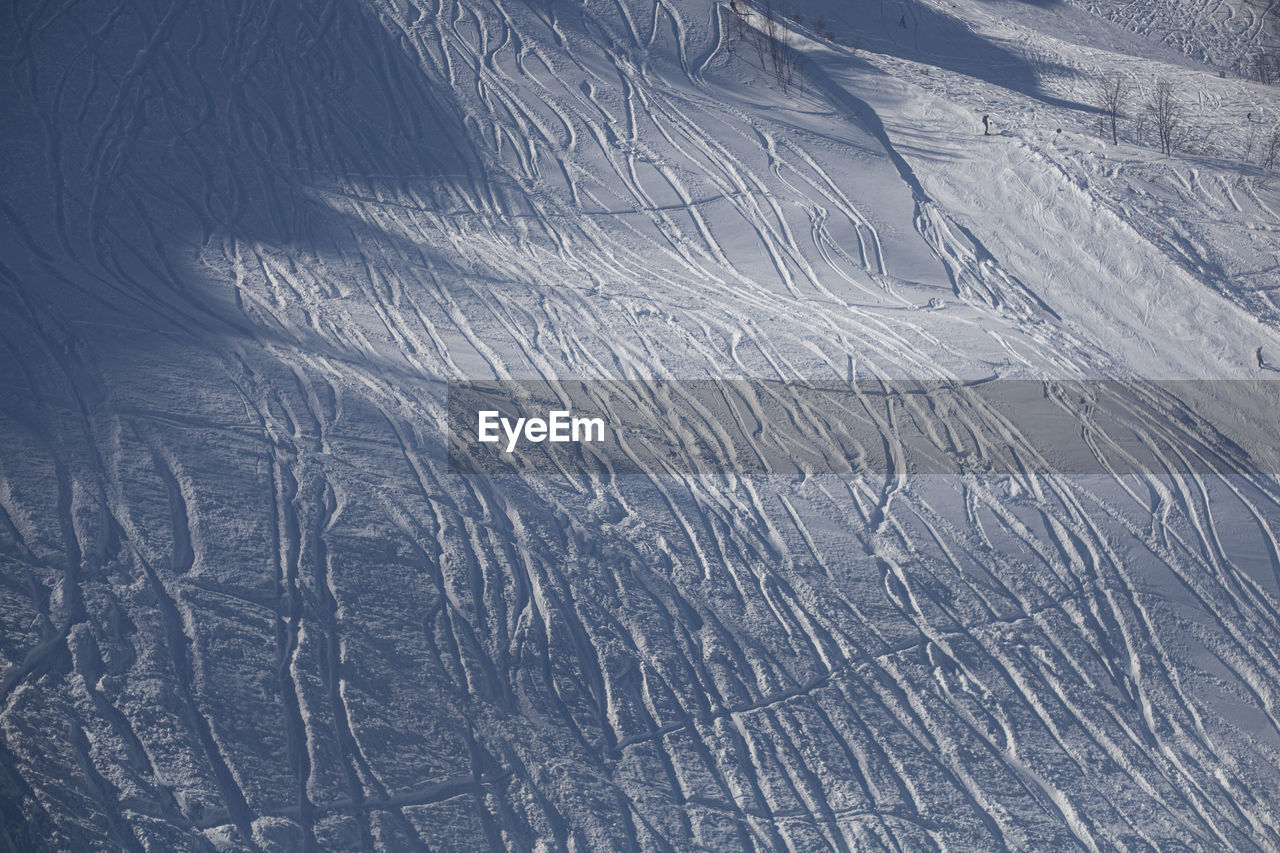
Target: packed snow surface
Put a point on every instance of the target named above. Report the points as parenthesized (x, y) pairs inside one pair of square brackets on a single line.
[(246, 606)]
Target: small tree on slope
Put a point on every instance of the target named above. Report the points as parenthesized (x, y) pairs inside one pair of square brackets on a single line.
[(1166, 116), (1110, 95)]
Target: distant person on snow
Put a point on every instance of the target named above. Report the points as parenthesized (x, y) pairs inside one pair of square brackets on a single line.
[(902, 22), (986, 125)]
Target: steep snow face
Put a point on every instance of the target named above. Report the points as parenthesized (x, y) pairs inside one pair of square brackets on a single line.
[(1221, 33), (246, 606)]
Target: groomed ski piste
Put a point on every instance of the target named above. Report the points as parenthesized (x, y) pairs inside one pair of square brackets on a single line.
[(246, 606)]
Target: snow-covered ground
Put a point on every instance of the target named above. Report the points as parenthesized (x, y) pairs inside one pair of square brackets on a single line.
[(245, 604)]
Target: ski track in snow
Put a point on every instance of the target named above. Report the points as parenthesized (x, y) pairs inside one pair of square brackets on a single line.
[(247, 607)]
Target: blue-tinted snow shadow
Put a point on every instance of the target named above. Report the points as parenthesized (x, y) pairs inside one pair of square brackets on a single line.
[(921, 33), (236, 131), (217, 142)]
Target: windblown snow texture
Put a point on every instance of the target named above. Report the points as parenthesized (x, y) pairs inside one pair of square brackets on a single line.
[(245, 606)]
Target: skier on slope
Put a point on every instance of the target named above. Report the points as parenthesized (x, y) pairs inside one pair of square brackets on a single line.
[(986, 125)]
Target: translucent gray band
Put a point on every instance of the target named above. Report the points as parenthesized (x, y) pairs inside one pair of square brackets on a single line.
[(751, 427)]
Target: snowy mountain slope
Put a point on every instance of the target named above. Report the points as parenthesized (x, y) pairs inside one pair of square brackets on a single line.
[(246, 606), (1221, 34)]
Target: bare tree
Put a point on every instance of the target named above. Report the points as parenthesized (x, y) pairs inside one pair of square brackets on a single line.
[(1166, 116), (761, 37), (740, 29), (770, 37), (772, 41), (1263, 67), (1110, 95), (1271, 153)]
